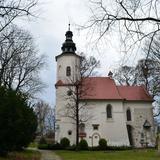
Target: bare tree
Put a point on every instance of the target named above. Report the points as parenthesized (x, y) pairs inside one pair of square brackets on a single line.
[(135, 20), (76, 107), (50, 122), (153, 70), (13, 9), (154, 49), (45, 116), (20, 63), (146, 72), (125, 75)]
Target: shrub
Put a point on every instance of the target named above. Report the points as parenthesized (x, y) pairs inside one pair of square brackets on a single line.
[(102, 144), (72, 148), (42, 146), (55, 146), (83, 145), (65, 142), (42, 141)]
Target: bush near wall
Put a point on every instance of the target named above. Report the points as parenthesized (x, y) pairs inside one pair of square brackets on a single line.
[(102, 144), (55, 146), (65, 142), (83, 145)]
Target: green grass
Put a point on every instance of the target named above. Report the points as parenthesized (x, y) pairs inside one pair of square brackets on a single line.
[(33, 145), (24, 155), (109, 155)]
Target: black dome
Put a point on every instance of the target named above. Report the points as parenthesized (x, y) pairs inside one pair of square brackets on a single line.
[(68, 46)]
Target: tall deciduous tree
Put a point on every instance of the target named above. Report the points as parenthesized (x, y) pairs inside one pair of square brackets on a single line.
[(75, 109), (153, 69), (20, 63), (125, 75), (13, 9), (45, 117), (135, 20), (146, 73)]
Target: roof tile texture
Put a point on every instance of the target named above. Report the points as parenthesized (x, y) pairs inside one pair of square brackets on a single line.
[(104, 88)]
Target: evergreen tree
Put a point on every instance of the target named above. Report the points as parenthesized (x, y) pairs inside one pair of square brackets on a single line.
[(18, 122)]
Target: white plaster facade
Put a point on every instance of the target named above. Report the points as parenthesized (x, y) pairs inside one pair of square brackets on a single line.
[(114, 129), (71, 60)]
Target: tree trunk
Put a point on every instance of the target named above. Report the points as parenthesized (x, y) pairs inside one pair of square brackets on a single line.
[(77, 116), (158, 143)]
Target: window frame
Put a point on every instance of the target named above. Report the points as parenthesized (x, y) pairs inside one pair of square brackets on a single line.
[(128, 114), (109, 111), (68, 71), (95, 127)]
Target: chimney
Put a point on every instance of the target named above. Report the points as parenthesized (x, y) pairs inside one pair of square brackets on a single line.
[(110, 74)]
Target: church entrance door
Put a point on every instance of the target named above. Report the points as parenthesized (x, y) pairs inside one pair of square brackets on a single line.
[(95, 139), (129, 130)]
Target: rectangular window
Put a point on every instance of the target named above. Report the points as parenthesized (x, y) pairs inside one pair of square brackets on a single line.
[(95, 126)]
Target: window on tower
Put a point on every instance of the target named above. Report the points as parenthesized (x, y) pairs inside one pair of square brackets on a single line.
[(68, 71)]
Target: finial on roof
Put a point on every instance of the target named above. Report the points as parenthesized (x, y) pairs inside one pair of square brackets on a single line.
[(68, 46), (69, 25), (110, 74)]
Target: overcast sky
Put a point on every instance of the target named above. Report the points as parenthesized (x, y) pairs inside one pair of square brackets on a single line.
[(49, 33)]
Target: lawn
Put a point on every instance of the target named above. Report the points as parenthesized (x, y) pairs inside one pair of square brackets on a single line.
[(24, 155), (33, 145), (109, 155)]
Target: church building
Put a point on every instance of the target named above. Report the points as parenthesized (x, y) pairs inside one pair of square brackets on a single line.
[(120, 114)]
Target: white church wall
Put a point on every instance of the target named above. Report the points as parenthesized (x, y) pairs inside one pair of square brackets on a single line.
[(108, 128), (62, 63), (113, 130), (63, 123)]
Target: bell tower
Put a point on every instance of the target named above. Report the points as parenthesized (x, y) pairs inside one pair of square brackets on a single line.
[(68, 72)]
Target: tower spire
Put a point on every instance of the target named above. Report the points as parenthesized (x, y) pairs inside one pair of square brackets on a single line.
[(68, 46)]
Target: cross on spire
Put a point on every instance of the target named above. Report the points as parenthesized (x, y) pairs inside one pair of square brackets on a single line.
[(69, 26)]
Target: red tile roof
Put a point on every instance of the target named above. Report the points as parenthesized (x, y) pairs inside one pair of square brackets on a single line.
[(134, 93), (104, 88), (100, 88), (59, 83)]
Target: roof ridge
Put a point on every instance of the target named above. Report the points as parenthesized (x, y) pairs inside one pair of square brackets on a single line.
[(99, 77)]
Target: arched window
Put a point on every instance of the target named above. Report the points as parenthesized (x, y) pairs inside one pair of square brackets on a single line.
[(109, 111), (128, 113), (68, 71)]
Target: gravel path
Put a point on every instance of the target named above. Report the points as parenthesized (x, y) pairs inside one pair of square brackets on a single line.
[(49, 155), (46, 154)]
